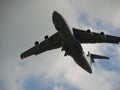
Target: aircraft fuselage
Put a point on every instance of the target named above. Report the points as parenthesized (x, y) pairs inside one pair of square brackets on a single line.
[(71, 46)]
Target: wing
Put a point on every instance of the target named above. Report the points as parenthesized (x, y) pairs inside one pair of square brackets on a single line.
[(92, 37), (50, 43)]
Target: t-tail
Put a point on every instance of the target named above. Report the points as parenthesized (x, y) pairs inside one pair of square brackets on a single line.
[(94, 56)]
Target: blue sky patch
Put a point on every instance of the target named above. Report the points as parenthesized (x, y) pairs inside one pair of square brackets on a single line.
[(40, 83), (107, 65), (97, 23), (84, 18)]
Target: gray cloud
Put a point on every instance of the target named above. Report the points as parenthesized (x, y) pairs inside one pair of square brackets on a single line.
[(107, 10), (24, 22)]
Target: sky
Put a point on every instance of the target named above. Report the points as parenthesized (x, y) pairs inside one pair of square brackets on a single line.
[(22, 22)]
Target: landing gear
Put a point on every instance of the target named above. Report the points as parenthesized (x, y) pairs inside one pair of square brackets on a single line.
[(66, 54), (62, 49)]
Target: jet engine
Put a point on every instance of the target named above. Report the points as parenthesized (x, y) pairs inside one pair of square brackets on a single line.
[(103, 35), (46, 37), (36, 43), (89, 32)]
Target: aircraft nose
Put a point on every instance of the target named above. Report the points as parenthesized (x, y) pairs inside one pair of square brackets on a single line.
[(58, 21), (55, 13)]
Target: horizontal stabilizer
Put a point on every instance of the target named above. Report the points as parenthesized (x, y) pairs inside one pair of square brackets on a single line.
[(93, 56)]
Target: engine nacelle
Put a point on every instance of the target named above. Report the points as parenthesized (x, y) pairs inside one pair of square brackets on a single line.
[(46, 37), (102, 34), (36, 43), (89, 32)]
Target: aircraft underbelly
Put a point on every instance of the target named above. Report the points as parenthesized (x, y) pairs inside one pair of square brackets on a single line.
[(78, 56), (74, 49), (81, 61), (69, 43)]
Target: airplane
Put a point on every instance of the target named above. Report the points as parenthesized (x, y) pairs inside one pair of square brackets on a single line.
[(70, 42)]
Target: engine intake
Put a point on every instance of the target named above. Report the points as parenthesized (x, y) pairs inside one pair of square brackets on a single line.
[(89, 32), (36, 43), (102, 34), (46, 37)]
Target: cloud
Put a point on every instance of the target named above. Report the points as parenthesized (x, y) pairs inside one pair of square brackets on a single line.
[(2, 85), (24, 22), (40, 83), (107, 10), (116, 19)]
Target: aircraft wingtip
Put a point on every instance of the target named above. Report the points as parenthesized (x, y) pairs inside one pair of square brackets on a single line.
[(107, 58), (21, 56)]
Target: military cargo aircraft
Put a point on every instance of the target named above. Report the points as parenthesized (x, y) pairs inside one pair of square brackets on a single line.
[(70, 41)]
